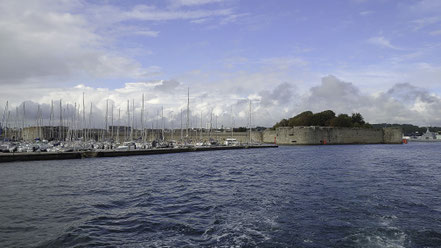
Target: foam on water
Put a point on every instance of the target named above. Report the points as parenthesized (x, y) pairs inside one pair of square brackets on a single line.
[(380, 237)]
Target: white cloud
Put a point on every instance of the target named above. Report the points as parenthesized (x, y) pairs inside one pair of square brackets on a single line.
[(426, 6), (127, 30), (45, 42), (284, 62), (279, 63), (60, 42), (436, 32), (424, 22), (199, 21), (231, 18), (381, 76), (150, 13), (401, 103), (48, 43), (381, 42), (105, 16), (366, 13), (63, 41), (193, 2)]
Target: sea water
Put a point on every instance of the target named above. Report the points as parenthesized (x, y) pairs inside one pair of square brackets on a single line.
[(293, 196)]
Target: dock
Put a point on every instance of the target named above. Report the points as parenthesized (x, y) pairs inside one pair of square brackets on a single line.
[(36, 156)]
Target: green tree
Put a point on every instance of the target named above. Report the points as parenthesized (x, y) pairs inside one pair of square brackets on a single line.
[(323, 118), (357, 118), (342, 120), (302, 119), (282, 123)]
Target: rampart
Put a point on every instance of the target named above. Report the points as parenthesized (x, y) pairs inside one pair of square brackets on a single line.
[(332, 135)]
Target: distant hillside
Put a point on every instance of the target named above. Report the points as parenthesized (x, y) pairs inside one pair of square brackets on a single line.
[(409, 129), (325, 119)]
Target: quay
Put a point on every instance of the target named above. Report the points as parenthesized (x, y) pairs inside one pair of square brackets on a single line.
[(35, 156)]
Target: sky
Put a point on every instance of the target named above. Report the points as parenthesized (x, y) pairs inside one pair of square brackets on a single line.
[(381, 58)]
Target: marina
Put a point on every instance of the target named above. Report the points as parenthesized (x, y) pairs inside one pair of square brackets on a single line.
[(27, 136)]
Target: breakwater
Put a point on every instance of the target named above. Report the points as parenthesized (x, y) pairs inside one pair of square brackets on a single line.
[(34, 156)]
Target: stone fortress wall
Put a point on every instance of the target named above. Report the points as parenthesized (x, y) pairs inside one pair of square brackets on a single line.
[(332, 135)]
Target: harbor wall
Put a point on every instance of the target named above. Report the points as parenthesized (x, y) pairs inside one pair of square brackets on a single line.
[(332, 135), (284, 135)]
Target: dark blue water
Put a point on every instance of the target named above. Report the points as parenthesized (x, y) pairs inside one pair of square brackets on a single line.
[(302, 196)]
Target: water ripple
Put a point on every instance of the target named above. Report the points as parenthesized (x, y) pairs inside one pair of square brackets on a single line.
[(301, 196)]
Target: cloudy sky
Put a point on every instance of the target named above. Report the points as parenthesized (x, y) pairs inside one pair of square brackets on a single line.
[(381, 58)]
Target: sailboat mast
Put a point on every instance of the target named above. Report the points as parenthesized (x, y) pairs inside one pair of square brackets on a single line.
[(70, 122), (250, 121), (146, 126), (112, 123), (142, 119), (83, 124), (132, 133), (157, 124), (7, 123), (201, 128), (66, 121), (74, 121), (37, 120), (60, 136), (17, 120), (24, 115), (182, 131), (119, 124), (107, 117), (188, 110), (3, 120), (90, 122), (211, 122), (162, 124), (172, 126), (128, 120)]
